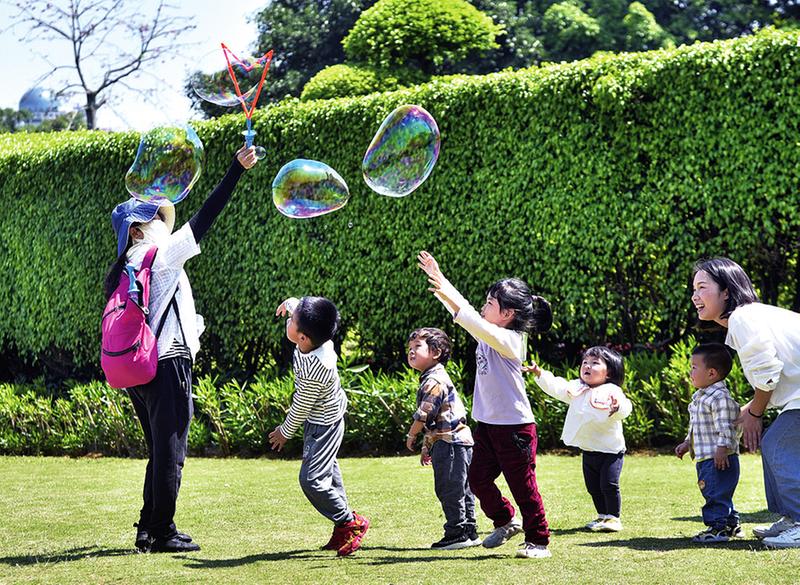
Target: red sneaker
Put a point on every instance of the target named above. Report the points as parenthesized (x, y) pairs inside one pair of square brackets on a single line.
[(337, 538), (356, 529)]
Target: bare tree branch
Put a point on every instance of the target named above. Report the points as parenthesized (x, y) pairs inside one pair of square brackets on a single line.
[(88, 26)]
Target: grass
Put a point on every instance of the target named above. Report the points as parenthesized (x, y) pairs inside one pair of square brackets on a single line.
[(69, 521)]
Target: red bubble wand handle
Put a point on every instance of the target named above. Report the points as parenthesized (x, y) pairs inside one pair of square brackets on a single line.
[(264, 60)]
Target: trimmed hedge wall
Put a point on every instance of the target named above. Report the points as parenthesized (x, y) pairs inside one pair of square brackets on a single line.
[(599, 182)]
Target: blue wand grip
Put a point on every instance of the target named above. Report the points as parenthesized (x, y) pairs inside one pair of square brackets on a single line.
[(132, 288)]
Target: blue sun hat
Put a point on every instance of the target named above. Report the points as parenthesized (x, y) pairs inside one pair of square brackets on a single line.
[(134, 211)]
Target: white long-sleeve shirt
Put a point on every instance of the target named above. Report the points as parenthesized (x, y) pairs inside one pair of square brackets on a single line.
[(767, 339), (167, 274), (588, 425), (500, 397)]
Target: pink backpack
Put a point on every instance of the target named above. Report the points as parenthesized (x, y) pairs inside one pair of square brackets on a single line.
[(129, 349)]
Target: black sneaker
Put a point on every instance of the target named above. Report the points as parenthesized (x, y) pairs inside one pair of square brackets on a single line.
[(173, 545), (472, 534), (712, 535), (454, 543), (143, 540)]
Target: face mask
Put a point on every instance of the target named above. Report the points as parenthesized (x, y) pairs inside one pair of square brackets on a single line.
[(154, 232)]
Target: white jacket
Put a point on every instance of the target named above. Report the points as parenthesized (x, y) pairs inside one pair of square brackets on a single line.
[(588, 425)]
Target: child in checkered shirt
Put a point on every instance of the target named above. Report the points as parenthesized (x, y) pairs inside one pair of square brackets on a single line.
[(447, 443), (713, 442)]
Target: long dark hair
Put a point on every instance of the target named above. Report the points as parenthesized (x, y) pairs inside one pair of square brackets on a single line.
[(531, 312), (731, 277), (115, 270)]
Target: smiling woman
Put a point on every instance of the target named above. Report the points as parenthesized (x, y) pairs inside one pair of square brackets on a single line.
[(767, 340)]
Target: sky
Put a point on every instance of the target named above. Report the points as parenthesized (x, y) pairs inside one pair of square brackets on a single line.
[(22, 65)]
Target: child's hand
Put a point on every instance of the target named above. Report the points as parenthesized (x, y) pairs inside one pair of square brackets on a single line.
[(532, 369), (247, 156), (682, 449), (277, 440), (287, 307), (614, 406), (425, 457), (721, 458), (428, 264), (410, 442)]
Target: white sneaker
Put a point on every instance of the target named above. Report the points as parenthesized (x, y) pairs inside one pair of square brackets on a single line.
[(775, 529), (787, 539), (528, 550), (610, 524), (594, 523), (501, 534)]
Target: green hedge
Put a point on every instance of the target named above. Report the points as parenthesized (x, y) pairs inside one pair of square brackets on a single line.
[(235, 418), (599, 182), (345, 80)]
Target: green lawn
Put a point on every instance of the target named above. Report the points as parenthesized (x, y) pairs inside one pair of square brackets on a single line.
[(69, 521)]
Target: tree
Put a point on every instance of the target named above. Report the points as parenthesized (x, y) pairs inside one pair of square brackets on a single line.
[(110, 42), (569, 32), (434, 36), (11, 120), (642, 32)]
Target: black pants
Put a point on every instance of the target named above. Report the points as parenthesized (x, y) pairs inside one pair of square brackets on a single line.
[(601, 473), (164, 407)]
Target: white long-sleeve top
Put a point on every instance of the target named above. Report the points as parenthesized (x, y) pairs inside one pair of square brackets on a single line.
[(167, 274), (767, 339), (588, 425), (500, 397)]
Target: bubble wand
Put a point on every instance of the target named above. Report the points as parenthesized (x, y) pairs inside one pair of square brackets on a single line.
[(264, 60)]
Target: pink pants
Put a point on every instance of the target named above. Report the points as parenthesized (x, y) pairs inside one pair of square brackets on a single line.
[(510, 449)]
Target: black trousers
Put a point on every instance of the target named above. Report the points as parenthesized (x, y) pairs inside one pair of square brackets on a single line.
[(601, 473), (164, 408)]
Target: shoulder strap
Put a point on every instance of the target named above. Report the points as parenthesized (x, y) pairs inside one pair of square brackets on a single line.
[(172, 303), (147, 263)]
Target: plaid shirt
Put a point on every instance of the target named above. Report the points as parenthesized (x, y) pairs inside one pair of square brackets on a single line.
[(440, 408), (712, 414)]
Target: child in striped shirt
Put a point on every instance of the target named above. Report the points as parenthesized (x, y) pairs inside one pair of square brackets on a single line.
[(319, 404), (713, 442)]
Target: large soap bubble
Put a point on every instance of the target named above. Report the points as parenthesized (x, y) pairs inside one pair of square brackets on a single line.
[(168, 162), (403, 152), (227, 80), (308, 188)]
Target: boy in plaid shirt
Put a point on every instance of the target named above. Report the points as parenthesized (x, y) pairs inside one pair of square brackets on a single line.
[(713, 442), (448, 440)]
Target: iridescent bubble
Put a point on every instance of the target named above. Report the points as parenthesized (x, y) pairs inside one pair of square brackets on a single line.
[(168, 162), (403, 152), (215, 84), (308, 188)]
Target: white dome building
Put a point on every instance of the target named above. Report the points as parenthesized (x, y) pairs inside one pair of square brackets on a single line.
[(42, 103)]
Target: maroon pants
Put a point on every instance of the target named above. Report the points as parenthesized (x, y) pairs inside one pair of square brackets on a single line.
[(510, 449)]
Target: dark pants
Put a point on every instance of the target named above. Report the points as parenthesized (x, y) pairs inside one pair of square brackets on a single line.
[(717, 487), (164, 407), (510, 450), (601, 473), (450, 464)]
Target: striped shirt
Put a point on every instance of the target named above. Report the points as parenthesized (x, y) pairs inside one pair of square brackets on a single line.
[(441, 409), (712, 416), (318, 394)]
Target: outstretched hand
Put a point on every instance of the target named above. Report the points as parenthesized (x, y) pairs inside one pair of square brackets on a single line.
[(532, 369), (430, 266), (247, 156)]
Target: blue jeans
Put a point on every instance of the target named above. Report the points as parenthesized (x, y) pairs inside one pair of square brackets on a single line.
[(717, 487), (780, 456), (450, 464)]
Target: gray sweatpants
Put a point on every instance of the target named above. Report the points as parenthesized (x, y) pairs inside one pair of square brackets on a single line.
[(320, 477), (450, 464)]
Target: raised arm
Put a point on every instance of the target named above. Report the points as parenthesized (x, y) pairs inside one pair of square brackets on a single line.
[(506, 342), (219, 197)]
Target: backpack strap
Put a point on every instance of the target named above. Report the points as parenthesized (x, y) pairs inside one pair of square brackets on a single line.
[(172, 303), (147, 263)]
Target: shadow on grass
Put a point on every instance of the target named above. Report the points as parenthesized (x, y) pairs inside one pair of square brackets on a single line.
[(565, 531), (761, 516), (651, 543), (73, 554), (364, 557)]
